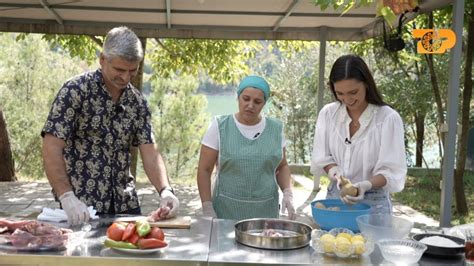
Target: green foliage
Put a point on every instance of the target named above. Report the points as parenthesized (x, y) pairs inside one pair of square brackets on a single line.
[(404, 80), (223, 60), (294, 100), (80, 46), (31, 75), (345, 6), (179, 123)]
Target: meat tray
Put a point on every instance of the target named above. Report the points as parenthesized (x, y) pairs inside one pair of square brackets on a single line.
[(272, 233)]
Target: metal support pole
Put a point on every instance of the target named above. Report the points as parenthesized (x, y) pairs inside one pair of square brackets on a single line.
[(321, 87), (322, 66), (452, 113), (168, 14)]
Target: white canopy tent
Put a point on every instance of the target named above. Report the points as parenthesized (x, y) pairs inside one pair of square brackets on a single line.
[(239, 20)]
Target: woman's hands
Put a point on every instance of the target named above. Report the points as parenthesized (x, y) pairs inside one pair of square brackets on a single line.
[(362, 187), (287, 203), (208, 209), (335, 174)]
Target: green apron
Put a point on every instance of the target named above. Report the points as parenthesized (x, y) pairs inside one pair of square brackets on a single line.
[(246, 184)]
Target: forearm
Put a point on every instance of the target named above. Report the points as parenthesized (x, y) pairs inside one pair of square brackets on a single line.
[(204, 184), (154, 166), (378, 181), (284, 176), (207, 162), (329, 166), (54, 164)]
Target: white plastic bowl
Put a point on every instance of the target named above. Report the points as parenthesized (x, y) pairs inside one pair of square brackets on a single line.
[(381, 226), (401, 251)]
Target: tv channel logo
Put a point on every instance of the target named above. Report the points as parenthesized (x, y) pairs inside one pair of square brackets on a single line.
[(434, 41)]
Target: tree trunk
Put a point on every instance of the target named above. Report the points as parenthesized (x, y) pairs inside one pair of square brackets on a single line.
[(7, 166), (419, 120), (138, 83), (436, 90), (461, 204), (420, 135)]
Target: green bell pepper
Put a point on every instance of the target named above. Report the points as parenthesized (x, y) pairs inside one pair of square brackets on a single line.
[(119, 244), (143, 227)]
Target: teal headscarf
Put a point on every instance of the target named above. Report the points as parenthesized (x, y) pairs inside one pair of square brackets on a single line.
[(255, 82)]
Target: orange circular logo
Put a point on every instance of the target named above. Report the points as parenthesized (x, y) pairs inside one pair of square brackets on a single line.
[(431, 41)]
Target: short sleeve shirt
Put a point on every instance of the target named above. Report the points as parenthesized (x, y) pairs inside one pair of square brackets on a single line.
[(98, 134)]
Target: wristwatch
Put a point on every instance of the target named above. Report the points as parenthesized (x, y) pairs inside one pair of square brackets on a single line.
[(166, 188)]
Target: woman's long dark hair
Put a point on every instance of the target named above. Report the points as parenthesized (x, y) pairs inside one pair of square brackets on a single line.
[(354, 67)]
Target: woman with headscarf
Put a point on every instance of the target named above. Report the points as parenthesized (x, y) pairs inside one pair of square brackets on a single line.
[(248, 150), (360, 137)]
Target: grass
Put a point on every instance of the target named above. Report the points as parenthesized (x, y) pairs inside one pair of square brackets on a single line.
[(422, 192)]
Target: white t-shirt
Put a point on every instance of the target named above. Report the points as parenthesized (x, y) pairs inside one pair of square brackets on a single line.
[(211, 138), (378, 146)]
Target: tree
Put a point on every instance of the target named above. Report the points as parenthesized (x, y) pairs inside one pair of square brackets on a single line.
[(461, 204), (294, 100), (7, 166), (437, 70), (179, 123), (27, 88), (442, 19), (402, 80), (222, 60)]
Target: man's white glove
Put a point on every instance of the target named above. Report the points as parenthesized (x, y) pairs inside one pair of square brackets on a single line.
[(287, 203), (169, 201), (75, 209), (334, 174), (362, 187), (208, 209)]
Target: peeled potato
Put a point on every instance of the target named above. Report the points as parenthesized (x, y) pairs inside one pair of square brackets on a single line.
[(347, 188), (328, 242), (319, 205), (359, 247)]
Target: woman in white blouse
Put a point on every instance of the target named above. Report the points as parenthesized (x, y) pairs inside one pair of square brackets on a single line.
[(359, 137)]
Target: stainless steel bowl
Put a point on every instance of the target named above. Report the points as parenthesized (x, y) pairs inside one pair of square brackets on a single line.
[(293, 234)]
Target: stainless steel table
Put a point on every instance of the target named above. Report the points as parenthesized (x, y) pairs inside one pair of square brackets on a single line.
[(224, 250), (206, 243), (186, 247)]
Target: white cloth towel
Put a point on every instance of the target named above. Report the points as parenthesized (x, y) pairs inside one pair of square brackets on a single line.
[(59, 215)]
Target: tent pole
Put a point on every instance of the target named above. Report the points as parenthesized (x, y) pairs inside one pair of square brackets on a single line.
[(452, 113), (322, 65)]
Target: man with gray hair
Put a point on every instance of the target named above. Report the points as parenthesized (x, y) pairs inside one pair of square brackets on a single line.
[(93, 121)]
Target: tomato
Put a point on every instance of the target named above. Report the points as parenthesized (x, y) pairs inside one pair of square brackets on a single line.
[(146, 243), (156, 233), (129, 230), (115, 231), (133, 238)]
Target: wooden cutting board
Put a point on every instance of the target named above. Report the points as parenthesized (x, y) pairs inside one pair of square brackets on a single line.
[(179, 222)]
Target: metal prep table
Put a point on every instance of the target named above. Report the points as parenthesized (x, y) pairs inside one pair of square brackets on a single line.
[(224, 250), (186, 247), (208, 242)]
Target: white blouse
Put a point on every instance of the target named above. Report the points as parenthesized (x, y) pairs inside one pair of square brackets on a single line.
[(378, 146)]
